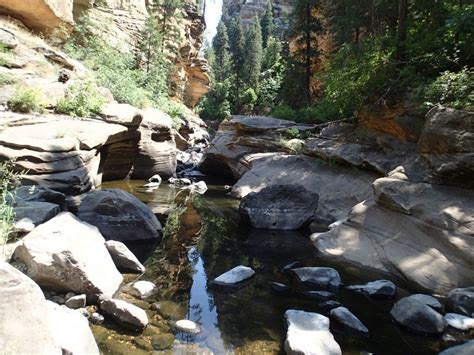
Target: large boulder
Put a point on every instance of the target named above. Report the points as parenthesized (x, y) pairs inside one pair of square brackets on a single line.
[(420, 232), (119, 216), (308, 334), (157, 148), (447, 142), (279, 207), (418, 316), (71, 330), (35, 212), (69, 255), (25, 317), (123, 258), (461, 300)]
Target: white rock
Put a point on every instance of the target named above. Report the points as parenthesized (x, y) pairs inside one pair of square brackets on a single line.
[(199, 187), (67, 254), (459, 321), (71, 330), (187, 326), (76, 302), (24, 225), (142, 289), (125, 314), (123, 258), (308, 334), (236, 275)]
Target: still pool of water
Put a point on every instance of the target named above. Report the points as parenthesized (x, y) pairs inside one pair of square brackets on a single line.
[(204, 237)]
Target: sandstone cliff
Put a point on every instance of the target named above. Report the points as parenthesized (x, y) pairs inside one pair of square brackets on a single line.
[(125, 19)]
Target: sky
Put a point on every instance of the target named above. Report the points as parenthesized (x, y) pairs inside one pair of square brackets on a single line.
[(213, 15)]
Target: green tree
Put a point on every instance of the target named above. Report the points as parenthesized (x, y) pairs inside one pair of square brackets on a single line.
[(267, 25), (168, 16), (220, 46), (253, 53), (237, 46)]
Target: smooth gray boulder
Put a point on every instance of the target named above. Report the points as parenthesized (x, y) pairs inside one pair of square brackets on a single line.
[(279, 207), (429, 301), (123, 114), (461, 300), (463, 349), (69, 255), (418, 316), (25, 317), (71, 330), (308, 334), (459, 321), (376, 289), (349, 320), (318, 277), (125, 314), (119, 216), (123, 258), (234, 276)]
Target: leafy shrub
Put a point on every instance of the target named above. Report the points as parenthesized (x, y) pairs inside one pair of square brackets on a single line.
[(82, 100), (248, 100), (283, 112), (26, 100), (455, 90), (8, 180), (176, 110), (215, 105), (6, 79)]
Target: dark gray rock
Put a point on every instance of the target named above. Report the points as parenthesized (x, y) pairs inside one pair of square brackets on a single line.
[(418, 316), (287, 268), (119, 216), (319, 277), (376, 289), (463, 349), (40, 194), (279, 207), (35, 212), (349, 320), (318, 295), (461, 300), (328, 305), (429, 301), (280, 288), (76, 302)]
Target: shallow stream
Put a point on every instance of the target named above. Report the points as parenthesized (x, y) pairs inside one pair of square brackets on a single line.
[(204, 237)]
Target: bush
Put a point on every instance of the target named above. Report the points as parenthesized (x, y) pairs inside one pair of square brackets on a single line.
[(283, 112), (82, 100), (176, 110), (8, 180), (26, 100), (454, 90), (215, 104), (6, 79)]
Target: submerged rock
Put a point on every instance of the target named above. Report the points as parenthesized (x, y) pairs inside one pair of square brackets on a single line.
[(459, 321), (71, 330), (349, 320), (294, 265), (123, 258), (67, 254), (461, 300), (119, 216), (280, 288), (376, 289), (308, 333), (463, 349), (169, 310), (279, 207), (24, 324), (318, 295), (319, 277), (234, 276), (418, 316), (328, 305), (125, 314)]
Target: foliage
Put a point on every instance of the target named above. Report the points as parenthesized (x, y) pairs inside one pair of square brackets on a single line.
[(267, 25), (253, 53), (284, 112), (27, 100), (6, 79), (82, 100), (175, 109), (249, 99), (5, 55), (451, 89), (215, 105), (8, 180), (220, 45)]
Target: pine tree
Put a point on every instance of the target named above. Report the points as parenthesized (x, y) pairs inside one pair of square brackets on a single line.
[(167, 15), (237, 45), (220, 45), (253, 54), (268, 27)]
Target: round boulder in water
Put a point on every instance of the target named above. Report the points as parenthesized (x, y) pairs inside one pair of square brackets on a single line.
[(119, 216), (279, 207)]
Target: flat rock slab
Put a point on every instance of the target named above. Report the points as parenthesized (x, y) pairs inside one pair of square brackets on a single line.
[(318, 277), (71, 330), (234, 276), (123, 258), (308, 334), (24, 314), (123, 114), (376, 289), (418, 316), (125, 314), (67, 254), (279, 207), (119, 216), (349, 320)]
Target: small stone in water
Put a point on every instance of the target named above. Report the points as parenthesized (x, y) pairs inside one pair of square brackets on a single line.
[(162, 341), (75, 302), (459, 321), (328, 305), (187, 326), (96, 318), (143, 289), (69, 295), (318, 295), (58, 299), (237, 274), (280, 288)]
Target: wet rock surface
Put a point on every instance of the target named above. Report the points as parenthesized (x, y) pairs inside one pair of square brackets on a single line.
[(318, 277), (349, 320), (376, 289)]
